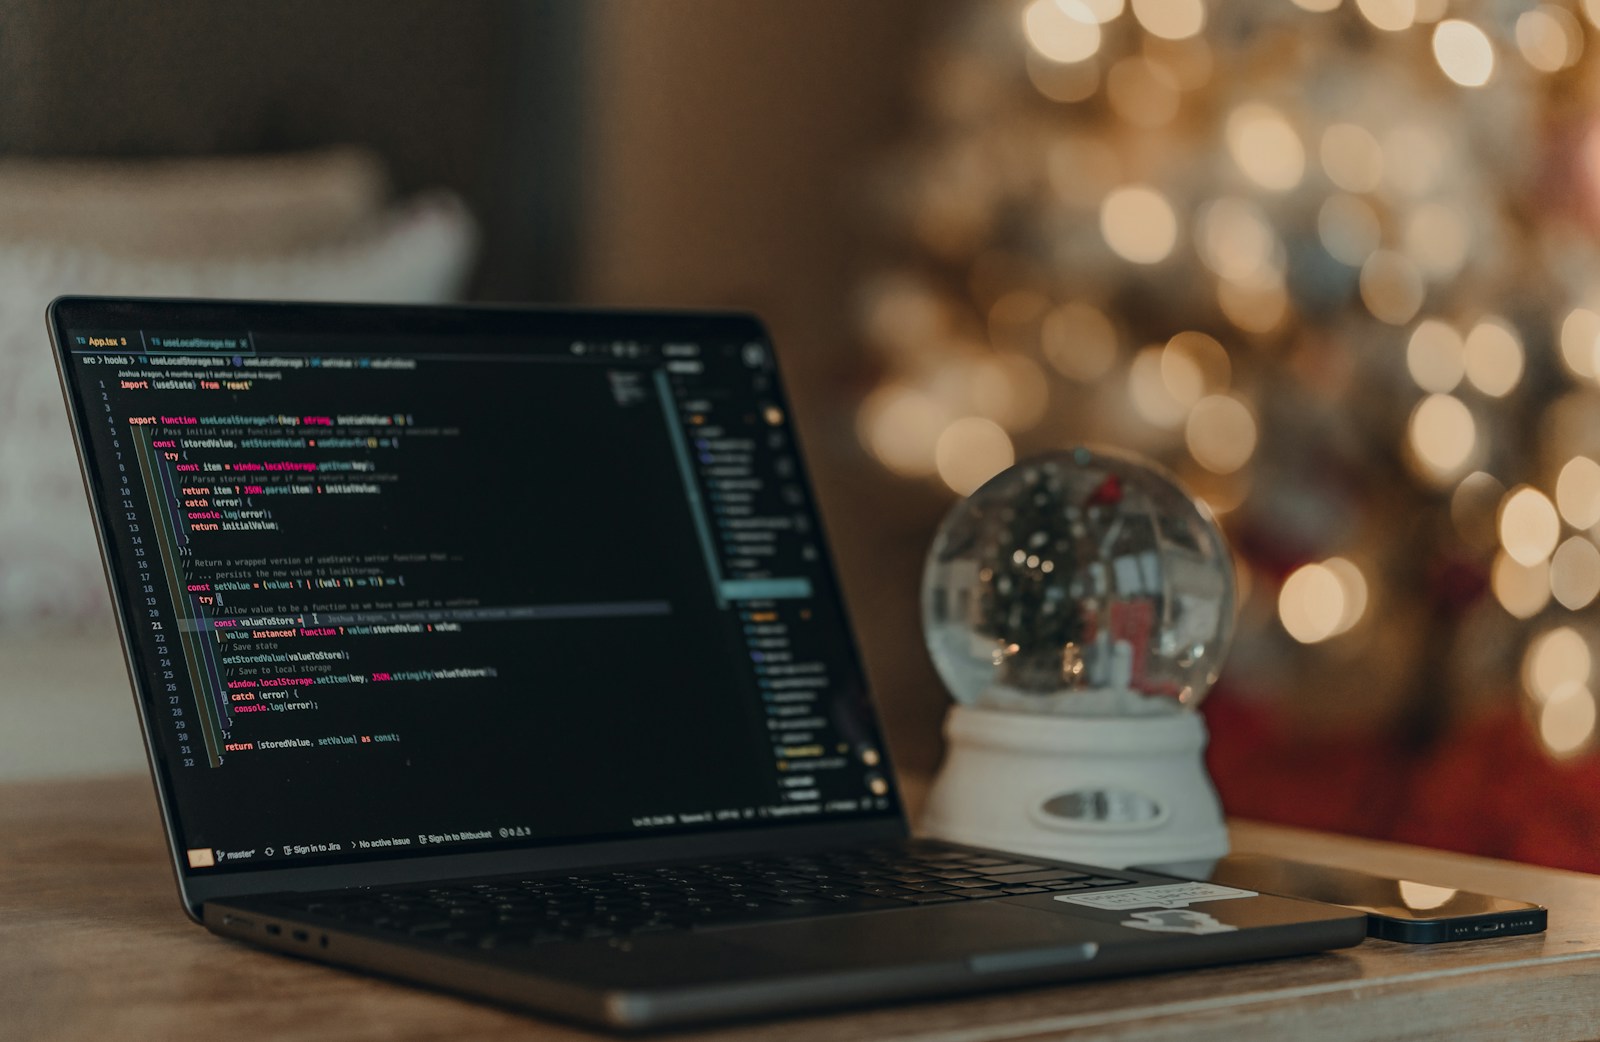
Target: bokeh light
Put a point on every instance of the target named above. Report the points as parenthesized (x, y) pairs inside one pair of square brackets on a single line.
[(1434, 358), (1580, 336), (1138, 224), (1311, 603), (1442, 435), (1575, 573), (1221, 433), (1529, 526), (899, 425), (1578, 492), (1061, 30), (970, 451), (1207, 354), (1522, 590), (1388, 15), (1424, 896), (1492, 354), (1265, 146), (1553, 659), (1170, 19), (1255, 306), (1182, 375), (1103, 10), (1354, 585), (1566, 720), (1464, 52), (1150, 392), (1549, 38)]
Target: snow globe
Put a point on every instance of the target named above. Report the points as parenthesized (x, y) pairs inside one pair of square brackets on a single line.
[(1078, 608)]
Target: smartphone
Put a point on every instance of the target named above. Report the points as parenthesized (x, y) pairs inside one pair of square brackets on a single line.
[(1397, 909)]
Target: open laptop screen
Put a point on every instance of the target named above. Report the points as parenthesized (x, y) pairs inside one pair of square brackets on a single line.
[(401, 581)]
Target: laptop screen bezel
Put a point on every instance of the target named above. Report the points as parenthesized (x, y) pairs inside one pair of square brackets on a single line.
[(79, 312)]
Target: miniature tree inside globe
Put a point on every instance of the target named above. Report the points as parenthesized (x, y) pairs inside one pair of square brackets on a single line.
[(1080, 583)]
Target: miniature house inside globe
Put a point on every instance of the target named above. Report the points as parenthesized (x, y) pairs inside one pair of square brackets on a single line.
[(1076, 607)]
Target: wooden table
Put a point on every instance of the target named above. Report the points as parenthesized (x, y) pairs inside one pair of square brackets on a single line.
[(93, 946)]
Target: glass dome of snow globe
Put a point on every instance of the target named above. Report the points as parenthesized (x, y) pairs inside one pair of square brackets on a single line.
[(1082, 583)]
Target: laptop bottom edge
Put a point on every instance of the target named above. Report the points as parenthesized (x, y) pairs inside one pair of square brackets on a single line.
[(646, 1006)]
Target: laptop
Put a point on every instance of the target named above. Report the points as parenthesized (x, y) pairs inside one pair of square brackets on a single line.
[(499, 650)]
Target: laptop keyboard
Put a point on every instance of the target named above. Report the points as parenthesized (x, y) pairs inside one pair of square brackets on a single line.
[(502, 912)]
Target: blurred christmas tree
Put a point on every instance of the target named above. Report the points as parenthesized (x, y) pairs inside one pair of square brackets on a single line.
[(1336, 265)]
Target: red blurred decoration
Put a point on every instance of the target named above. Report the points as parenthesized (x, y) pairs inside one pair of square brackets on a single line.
[(1108, 494), (1484, 788)]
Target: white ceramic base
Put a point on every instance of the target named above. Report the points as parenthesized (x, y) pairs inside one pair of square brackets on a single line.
[(1104, 791)]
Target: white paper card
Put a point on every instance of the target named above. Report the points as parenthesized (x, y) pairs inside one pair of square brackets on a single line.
[(1167, 895)]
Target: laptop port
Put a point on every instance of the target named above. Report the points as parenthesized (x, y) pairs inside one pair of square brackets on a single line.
[(274, 929), (302, 936)]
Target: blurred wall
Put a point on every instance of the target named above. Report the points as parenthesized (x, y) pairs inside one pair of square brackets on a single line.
[(482, 98), (732, 144)]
